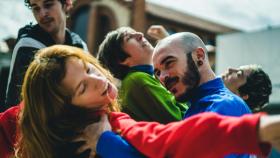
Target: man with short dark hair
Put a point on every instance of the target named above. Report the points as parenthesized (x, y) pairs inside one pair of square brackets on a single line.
[(251, 83), (128, 55), (51, 29)]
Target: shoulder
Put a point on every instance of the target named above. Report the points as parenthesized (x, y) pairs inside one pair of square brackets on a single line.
[(140, 78), (77, 40), (29, 36), (26, 30), (228, 104)]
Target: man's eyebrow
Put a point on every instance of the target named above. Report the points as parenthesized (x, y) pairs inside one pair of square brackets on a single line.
[(165, 59), (45, 1), (33, 5)]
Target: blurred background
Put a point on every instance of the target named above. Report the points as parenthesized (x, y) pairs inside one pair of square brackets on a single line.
[(237, 32)]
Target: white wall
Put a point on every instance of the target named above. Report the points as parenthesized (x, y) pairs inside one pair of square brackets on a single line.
[(261, 48)]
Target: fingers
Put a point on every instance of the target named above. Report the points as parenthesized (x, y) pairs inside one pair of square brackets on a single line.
[(157, 32), (83, 147), (69, 150), (85, 154), (106, 124), (73, 146)]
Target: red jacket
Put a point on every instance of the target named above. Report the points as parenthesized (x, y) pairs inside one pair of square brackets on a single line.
[(206, 135), (8, 123)]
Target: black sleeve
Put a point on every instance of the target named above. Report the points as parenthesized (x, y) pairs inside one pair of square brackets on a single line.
[(23, 58)]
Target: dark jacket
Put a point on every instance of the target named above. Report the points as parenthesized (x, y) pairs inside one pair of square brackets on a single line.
[(30, 39)]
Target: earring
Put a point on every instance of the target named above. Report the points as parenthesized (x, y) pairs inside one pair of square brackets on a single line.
[(199, 62)]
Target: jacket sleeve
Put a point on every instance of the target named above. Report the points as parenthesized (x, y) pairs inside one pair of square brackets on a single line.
[(111, 145), (19, 65), (8, 123), (204, 135), (153, 101)]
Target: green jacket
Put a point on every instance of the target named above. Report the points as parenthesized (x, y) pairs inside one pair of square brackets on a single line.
[(145, 99)]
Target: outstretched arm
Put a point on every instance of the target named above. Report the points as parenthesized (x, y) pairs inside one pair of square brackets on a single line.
[(269, 130), (213, 134)]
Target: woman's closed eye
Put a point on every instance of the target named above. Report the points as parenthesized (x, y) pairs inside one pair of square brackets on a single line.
[(82, 88), (89, 70)]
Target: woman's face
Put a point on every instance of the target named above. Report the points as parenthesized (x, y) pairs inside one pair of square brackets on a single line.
[(88, 86)]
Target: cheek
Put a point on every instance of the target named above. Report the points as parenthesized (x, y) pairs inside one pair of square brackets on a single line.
[(114, 93), (36, 16), (179, 72), (231, 79), (181, 87), (86, 100)]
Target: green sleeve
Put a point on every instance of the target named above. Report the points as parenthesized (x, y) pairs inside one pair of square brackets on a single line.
[(144, 98)]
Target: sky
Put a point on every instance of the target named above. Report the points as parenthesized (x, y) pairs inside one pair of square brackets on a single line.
[(246, 15), (13, 15)]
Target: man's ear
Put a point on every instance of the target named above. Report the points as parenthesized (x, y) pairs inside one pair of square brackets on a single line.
[(126, 62), (199, 56)]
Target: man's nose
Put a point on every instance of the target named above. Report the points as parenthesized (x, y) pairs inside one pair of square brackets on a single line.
[(138, 35), (43, 12), (163, 76)]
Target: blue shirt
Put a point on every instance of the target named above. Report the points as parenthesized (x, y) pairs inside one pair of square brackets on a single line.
[(213, 96), (111, 145), (149, 69)]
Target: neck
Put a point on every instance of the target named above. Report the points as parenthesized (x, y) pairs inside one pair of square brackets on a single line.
[(59, 37), (208, 75)]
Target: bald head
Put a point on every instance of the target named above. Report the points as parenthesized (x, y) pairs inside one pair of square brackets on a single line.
[(186, 40), (181, 63)]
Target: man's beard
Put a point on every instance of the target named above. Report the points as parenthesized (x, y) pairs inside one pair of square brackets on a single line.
[(191, 79)]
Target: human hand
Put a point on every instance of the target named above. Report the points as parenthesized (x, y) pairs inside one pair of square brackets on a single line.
[(269, 130), (69, 4), (92, 133), (71, 148), (157, 32)]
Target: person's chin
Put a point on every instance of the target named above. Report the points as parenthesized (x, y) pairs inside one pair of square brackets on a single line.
[(48, 28), (104, 108), (113, 92), (182, 97)]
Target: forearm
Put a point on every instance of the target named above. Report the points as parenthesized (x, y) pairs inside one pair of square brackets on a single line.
[(189, 137)]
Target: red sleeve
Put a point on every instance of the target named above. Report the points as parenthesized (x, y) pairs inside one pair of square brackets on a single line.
[(206, 135), (8, 124)]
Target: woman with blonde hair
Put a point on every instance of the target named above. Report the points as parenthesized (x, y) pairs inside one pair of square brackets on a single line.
[(65, 92)]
